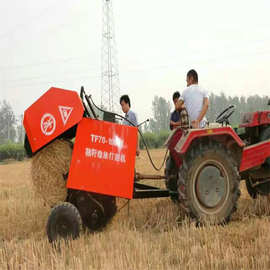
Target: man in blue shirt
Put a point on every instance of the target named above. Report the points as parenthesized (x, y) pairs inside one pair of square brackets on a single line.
[(130, 115), (175, 116)]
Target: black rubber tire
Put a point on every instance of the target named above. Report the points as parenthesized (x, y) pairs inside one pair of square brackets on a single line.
[(171, 174), (171, 178), (96, 210), (217, 156), (64, 216), (265, 135), (109, 204)]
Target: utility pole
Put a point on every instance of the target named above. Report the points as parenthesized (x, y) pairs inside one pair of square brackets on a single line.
[(110, 83)]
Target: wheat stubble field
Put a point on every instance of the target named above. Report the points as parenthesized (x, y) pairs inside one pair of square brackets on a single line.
[(148, 238)]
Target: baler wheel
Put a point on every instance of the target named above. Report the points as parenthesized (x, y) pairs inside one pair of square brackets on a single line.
[(96, 210), (208, 184), (64, 222)]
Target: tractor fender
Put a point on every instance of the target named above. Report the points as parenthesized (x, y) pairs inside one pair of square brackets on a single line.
[(255, 119), (191, 135), (255, 155), (51, 115)]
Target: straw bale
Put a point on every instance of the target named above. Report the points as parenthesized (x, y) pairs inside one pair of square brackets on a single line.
[(49, 166)]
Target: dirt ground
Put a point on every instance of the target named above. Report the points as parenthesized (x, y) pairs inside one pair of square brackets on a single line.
[(149, 237)]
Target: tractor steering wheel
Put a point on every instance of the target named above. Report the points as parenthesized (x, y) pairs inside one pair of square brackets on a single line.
[(224, 116)]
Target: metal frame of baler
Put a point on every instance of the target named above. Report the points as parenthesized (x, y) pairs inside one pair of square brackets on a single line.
[(142, 191)]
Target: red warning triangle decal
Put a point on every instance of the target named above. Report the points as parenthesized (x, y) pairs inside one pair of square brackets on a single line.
[(65, 113)]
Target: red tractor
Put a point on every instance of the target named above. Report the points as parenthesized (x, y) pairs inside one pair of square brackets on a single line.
[(206, 165), (202, 172)]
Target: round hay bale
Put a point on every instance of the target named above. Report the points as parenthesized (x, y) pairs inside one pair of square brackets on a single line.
[(49, 167)]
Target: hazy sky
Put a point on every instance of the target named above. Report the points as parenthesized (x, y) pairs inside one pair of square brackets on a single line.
[(58, 43)]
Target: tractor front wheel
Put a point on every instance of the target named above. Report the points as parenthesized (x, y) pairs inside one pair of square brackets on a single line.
[(64, 222), (208, 184)]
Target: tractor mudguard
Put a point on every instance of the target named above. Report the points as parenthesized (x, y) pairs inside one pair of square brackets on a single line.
[(255, 155), (51, 115), (103, 158), (181, 147), (255, 119)]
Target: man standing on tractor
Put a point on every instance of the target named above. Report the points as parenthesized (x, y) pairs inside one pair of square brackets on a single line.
[(129, 115), (196, 101)]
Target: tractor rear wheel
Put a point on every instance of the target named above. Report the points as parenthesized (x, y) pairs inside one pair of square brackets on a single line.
[(208, 184), (64, 222), (171, 178)]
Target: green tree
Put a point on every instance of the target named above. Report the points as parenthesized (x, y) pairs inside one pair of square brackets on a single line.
[(161, 111), (7, 123), (20, 130), (242, 105)]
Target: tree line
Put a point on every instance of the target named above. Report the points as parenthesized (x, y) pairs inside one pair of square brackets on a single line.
[(11, 127), (162, 109)]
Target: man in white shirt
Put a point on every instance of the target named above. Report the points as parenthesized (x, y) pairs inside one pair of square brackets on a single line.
[(196, 100)]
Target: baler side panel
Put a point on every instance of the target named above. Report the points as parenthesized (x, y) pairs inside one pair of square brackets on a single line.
[(51, 115), (255, 155), (103, 158)]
